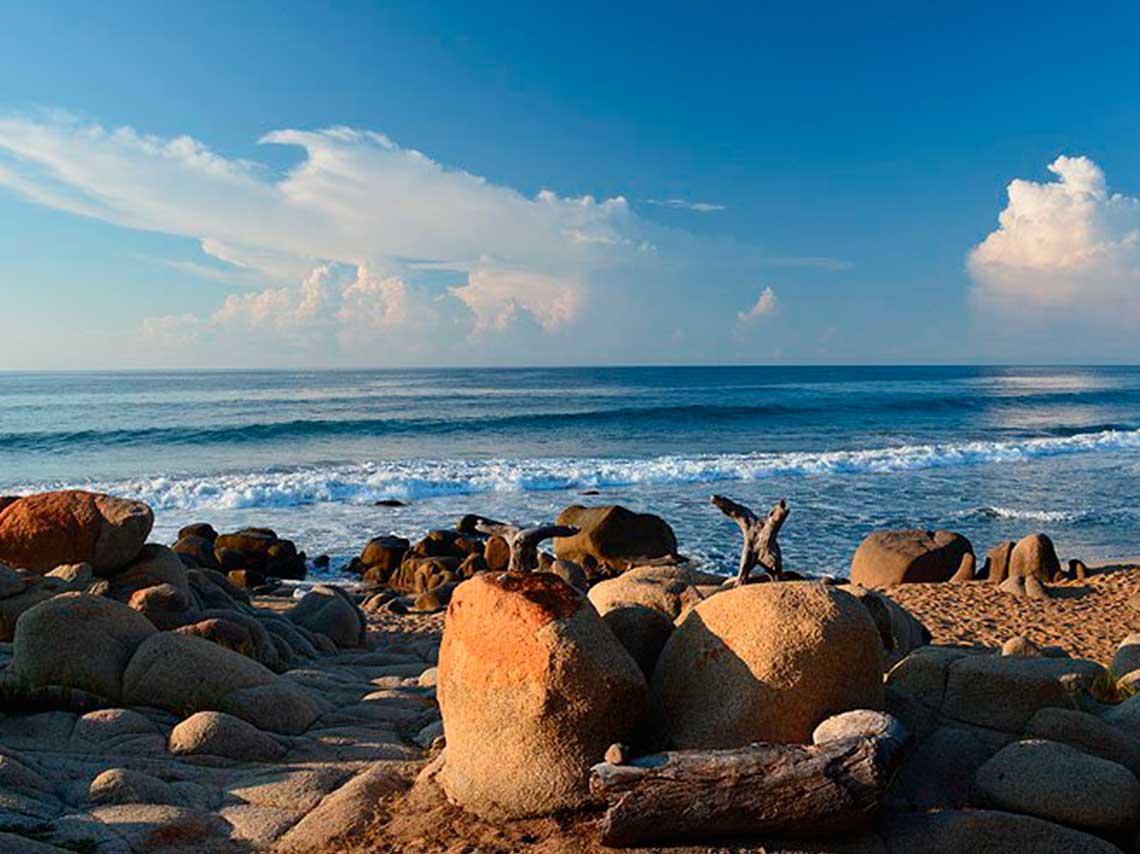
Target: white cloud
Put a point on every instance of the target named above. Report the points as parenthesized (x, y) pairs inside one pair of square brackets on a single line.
[(1067, 246), (495, 297), (765, 304), (385, 253), (686, 205)]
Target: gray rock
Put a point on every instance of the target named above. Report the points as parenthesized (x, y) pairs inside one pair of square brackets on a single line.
[(986, 832), (1087, 733), (219, 734), (1036, 777), (125, 786)]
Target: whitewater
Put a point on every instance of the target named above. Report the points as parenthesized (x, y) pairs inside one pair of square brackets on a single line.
[(993, 452)]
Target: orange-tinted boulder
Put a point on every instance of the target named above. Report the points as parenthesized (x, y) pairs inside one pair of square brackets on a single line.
[(533, 688), (40, 532)]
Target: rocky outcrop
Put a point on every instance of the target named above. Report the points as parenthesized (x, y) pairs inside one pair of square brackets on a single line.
[(76, 641), (185, 674), (613, 537), (333, 613), (381, 557), (997, 562), (766, 662), (886, 558), (668, 589), (219, 734), (1036, 777), (533, 688), (260, 550), (40, 532), (1034, 557)]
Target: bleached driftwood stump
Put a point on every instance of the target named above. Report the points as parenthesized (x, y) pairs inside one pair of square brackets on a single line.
[(523, 542), (760, 547)]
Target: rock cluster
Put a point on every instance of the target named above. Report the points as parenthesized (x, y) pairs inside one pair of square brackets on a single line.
[(249, 557)]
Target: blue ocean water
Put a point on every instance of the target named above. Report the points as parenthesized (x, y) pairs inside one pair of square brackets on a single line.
[(992, 452)]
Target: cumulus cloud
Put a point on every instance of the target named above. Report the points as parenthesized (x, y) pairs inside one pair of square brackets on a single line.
[(368, 244), (686, 205), (765, 304), (1063, 247)]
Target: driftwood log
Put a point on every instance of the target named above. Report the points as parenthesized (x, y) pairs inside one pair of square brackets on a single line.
[(760, 547), (774, 790), (523, 542)]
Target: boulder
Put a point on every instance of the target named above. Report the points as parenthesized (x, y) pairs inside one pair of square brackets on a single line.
[(261, 550), (163, 604), (154, 565), (223, 632), (78, 641), (886, 558), (668, 589), (997, 562), (571, 573), (1127, 656), (766, 662), (1035, 588), (497, 553), (40, 532), (126, 786), (938, 770), (445, 543), (1036, 777), (986, 832), (614, 536), (246, 579), (417, 573), (11, 581), (1126, 716), (1086, 733), (1014, 585), (1034, 557), (532, 688), (966, 569), (331, 612), (199, 551), (901, 632), (219, 734), (998, 692), (383, 555), (198, 529), (185, 674)]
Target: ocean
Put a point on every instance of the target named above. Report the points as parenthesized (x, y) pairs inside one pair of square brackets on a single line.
[(993, 452)]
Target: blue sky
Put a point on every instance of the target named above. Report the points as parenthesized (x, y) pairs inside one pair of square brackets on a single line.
[(851, 163)]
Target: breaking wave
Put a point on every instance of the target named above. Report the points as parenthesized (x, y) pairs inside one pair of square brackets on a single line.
[(420, 479)]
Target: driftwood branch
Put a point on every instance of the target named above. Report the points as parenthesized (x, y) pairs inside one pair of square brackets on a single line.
[(760, 547), (523, 542), (786, 790)]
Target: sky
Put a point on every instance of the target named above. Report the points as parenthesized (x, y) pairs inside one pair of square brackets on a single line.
[(372, 185)]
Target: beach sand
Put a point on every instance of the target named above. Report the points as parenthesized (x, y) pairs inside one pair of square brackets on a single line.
[(1088, 619)]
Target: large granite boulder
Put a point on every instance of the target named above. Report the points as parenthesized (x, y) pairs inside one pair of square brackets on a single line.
[(1087, 733), (1037, 777), (381, 557), (40, 532), (1034, 556), (668, 589), (997, 562), (154, 565), (885, 558), (999, 693), (614, 537), (533, 689), (766, 662), (331, 612), (80, 642), (185, 674)]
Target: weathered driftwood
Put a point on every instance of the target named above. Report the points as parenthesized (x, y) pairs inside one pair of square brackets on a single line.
[(786, 790), (760, 547), (523, 542)]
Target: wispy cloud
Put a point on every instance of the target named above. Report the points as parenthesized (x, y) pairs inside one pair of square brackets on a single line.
[(380, 248), (765, 304), (686, 205)]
